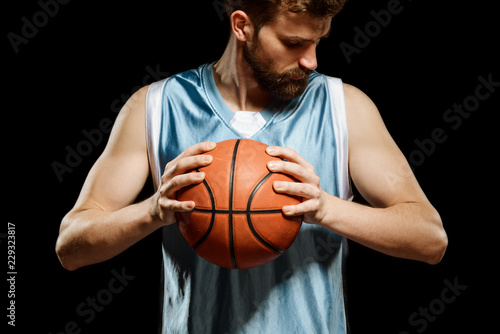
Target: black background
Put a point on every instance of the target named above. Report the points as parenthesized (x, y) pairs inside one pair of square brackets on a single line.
[(68, 77)]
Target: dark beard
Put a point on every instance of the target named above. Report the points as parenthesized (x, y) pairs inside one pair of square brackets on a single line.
[(279, 85)]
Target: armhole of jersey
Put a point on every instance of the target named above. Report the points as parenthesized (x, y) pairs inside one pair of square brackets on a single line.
[(154, 99), (339, 117)]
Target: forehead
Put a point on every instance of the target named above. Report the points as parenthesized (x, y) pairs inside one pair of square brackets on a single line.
[(299, 24)]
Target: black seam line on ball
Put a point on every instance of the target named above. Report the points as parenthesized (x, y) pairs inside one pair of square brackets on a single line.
[(231, 189), (212, 218), (249, 216)]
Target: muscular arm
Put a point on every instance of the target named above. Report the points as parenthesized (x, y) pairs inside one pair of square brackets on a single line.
[(401, 221), (104, 221)]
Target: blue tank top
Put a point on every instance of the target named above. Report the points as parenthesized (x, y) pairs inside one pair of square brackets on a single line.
[(302, 290)]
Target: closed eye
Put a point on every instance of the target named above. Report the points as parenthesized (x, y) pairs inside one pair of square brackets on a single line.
[(292, 44), (292, 41), (297, 41)]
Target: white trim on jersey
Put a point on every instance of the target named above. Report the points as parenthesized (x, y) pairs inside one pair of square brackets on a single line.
[(154, 98), (339, 116)]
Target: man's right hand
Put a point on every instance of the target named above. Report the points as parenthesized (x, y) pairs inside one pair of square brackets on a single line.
[(107, 219), (164, 202)]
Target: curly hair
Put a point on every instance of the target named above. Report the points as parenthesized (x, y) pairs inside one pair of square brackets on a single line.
[(263, 11)]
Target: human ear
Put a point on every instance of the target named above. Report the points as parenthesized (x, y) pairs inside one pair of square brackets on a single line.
[(242, 26)]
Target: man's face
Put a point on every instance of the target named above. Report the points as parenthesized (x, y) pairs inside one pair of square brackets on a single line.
[(283, 54)]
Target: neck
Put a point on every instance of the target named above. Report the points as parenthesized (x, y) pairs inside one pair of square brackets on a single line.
[(235, 80)]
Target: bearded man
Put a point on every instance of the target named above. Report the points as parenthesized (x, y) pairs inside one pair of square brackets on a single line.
[(328, 133)]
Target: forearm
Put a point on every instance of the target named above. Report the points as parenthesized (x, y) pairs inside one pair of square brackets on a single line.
[(406, 230), (92, 235)]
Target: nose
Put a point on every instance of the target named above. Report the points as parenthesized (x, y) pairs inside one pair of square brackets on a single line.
[(308, 59)]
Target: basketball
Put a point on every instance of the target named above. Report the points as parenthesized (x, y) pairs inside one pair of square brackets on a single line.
[(237, 221)]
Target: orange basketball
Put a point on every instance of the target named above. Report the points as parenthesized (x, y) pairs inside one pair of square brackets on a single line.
[(238, 222)]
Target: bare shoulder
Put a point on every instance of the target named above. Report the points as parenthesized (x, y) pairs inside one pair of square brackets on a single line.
[(357, 101), (139, 97), (129, 126), (375, 160), (351, 91), (124, 158), (135, 104), (363, 116)]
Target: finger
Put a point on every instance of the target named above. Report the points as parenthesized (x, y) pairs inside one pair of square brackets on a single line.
[(185, 164), (304, 190), (181, 181), (290, 155), (168, 205), (199, 148), (301, 209), (300, 172), (194, 150), (186, 206)]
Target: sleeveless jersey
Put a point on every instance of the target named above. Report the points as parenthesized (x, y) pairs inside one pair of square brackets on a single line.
[(302, 290)]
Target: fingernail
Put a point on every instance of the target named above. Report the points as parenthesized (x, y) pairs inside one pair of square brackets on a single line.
[(287, 210), (272, 164), (211, 145), (278, 185), (270, 150), (207, 158)]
